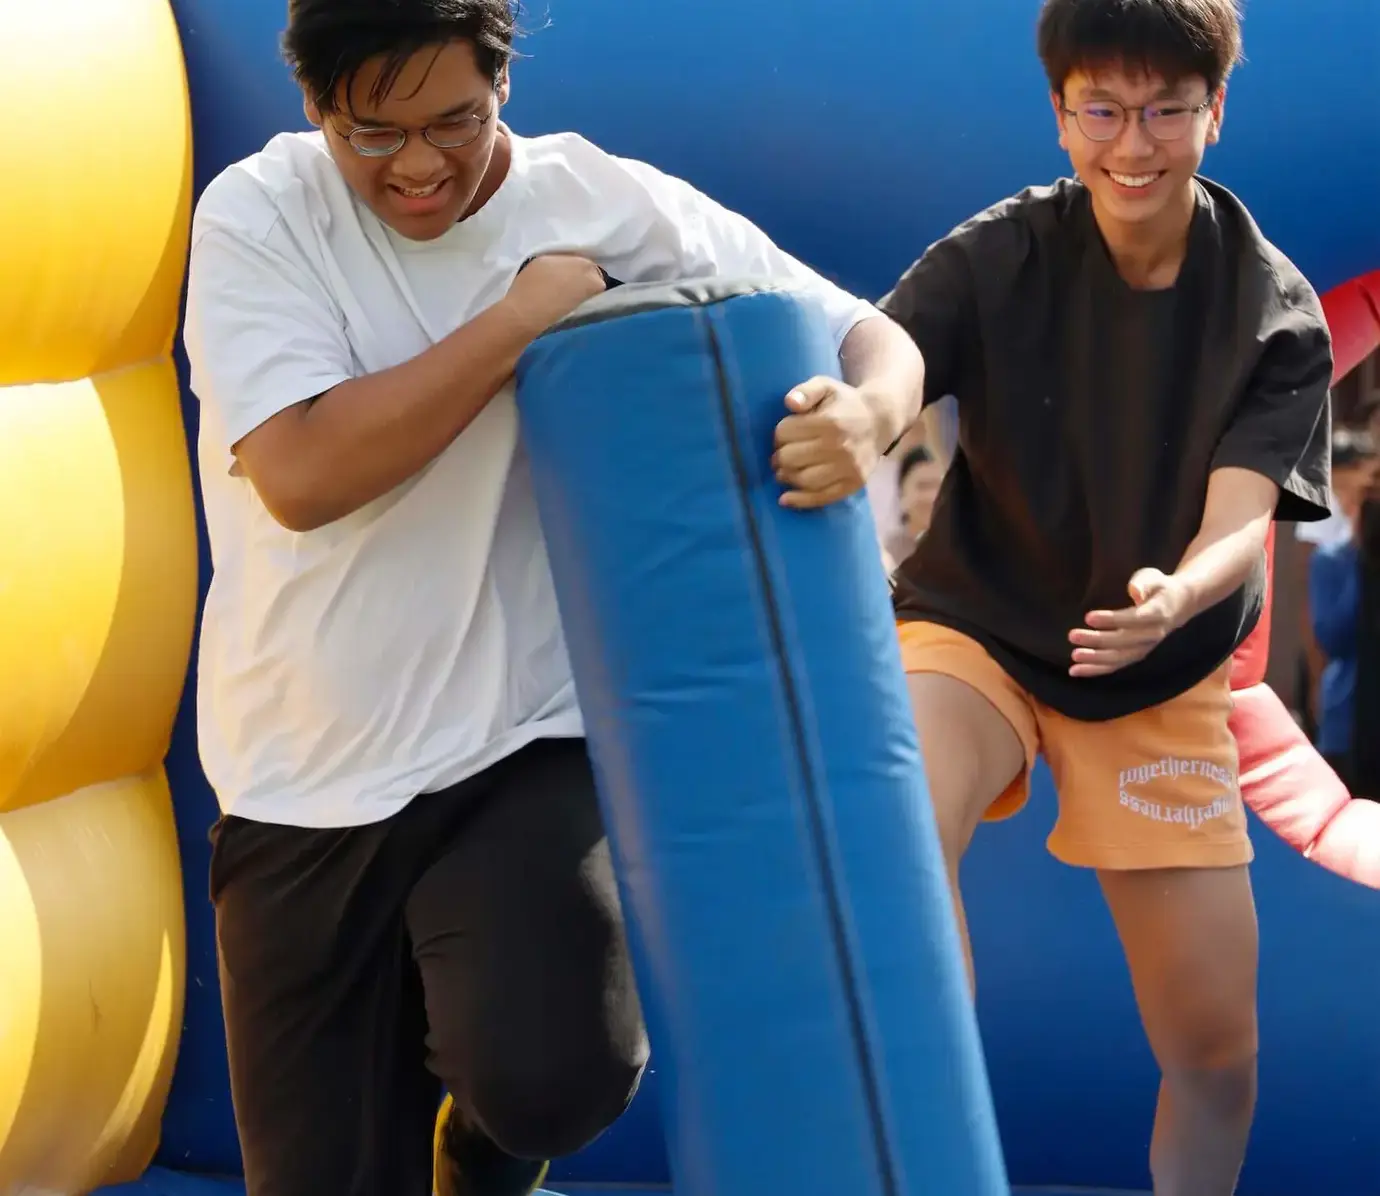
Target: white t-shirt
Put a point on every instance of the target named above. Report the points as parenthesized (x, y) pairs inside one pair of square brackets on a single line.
[(409, 645)]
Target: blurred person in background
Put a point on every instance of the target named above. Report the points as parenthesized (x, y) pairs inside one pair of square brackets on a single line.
[(1335, 600), (918, 477), (1365, 743), (1336, 530), (904, 487)]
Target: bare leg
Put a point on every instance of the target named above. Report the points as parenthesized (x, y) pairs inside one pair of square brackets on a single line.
[(971, 756), (1191, 942)]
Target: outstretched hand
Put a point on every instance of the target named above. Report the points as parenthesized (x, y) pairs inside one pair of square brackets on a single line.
[(826, 449), (1114, 639)]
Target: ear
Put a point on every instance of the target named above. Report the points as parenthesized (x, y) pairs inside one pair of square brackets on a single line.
[(1057, 103), (313, 113), (1216, 114), (503, 87)]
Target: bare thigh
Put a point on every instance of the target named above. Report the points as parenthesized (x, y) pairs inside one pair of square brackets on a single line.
[(1191, 943), (971, 752)]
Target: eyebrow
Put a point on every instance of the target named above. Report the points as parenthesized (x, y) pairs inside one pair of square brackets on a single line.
[(1165, 93), (466, 109)]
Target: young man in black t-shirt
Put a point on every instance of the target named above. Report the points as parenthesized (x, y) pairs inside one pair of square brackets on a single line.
[(1142, 382)]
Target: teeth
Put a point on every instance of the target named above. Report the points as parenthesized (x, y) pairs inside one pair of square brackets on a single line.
[(420, 192), (1134, 180)]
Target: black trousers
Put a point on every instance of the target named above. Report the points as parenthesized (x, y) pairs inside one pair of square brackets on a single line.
[(474, 940)]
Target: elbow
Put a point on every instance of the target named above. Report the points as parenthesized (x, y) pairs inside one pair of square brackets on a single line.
[(295, 504), (300, 511), (296, 518), (297, 479)]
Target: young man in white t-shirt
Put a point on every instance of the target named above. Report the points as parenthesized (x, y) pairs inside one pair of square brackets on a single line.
[(411, 882)]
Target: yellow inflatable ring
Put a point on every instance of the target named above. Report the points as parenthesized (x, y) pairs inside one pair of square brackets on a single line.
[(97, 587)]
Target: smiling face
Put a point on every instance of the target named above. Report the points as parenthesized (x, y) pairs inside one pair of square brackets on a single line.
[(422, 189), (1136, 141)]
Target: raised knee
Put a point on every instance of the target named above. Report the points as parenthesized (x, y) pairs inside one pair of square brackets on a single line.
[(971, 754), (550, 1109)]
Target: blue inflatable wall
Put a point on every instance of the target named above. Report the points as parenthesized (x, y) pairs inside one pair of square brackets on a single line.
[(874, 126)]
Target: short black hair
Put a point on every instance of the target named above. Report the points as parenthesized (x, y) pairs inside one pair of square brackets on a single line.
[(1351, 446), (328, 41), (1172, 38), (919, 455)]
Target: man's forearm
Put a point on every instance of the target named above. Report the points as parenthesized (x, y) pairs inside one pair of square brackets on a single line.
[(1216, 566), (1229, 544), (319, 461), (397, 421), (359, 440), (881, 361)]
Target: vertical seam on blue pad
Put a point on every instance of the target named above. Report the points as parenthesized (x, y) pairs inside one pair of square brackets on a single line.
[(813, 800)]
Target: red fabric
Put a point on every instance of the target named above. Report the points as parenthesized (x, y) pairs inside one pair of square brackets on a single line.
[(1284, 779), (1295, 793), (1353, 317), (1251, 659)]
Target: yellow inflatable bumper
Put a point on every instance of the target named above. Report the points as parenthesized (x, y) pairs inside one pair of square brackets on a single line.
[(97, 587)]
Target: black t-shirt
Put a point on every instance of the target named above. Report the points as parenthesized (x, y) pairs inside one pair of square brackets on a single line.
[(1090, 416)]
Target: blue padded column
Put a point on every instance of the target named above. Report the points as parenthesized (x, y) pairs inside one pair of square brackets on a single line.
[(738, 668)]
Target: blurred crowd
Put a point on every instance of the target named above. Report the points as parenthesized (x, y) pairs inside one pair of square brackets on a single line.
[(1338, 699)]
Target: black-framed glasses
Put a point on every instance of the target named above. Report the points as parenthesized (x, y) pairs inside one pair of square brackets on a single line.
[(1168, 120), (375, 141)]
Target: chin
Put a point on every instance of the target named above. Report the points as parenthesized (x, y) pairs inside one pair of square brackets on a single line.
[(1129, 209), (1134, 212), (420, 228)]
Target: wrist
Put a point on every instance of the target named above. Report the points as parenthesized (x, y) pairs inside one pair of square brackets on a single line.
[(1200, 586), (522, 320), (1189, 601), (893, 409)]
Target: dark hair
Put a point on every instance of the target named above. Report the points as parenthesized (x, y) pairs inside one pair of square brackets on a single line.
[(1351, 446), (1173, 38), (919, 455), (328, 41)]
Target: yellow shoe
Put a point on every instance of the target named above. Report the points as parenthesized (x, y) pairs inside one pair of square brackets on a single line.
[(467, 1163), (438, 1138)]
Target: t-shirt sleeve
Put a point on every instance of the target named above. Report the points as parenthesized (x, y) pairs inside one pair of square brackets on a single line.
[(1282, 428), (934, 302), (261, 334), (677, 231), (1326, 531)]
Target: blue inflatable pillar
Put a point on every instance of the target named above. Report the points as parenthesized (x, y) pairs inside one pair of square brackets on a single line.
[(747, 716)]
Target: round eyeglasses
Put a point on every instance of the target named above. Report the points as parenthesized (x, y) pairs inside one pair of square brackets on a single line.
[(1103, 120), (376, 141)]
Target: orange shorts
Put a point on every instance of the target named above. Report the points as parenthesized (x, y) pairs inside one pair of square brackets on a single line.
[(1155, 789)]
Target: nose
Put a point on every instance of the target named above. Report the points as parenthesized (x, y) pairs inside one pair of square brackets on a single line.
[(1133, 140), (418, 161)]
